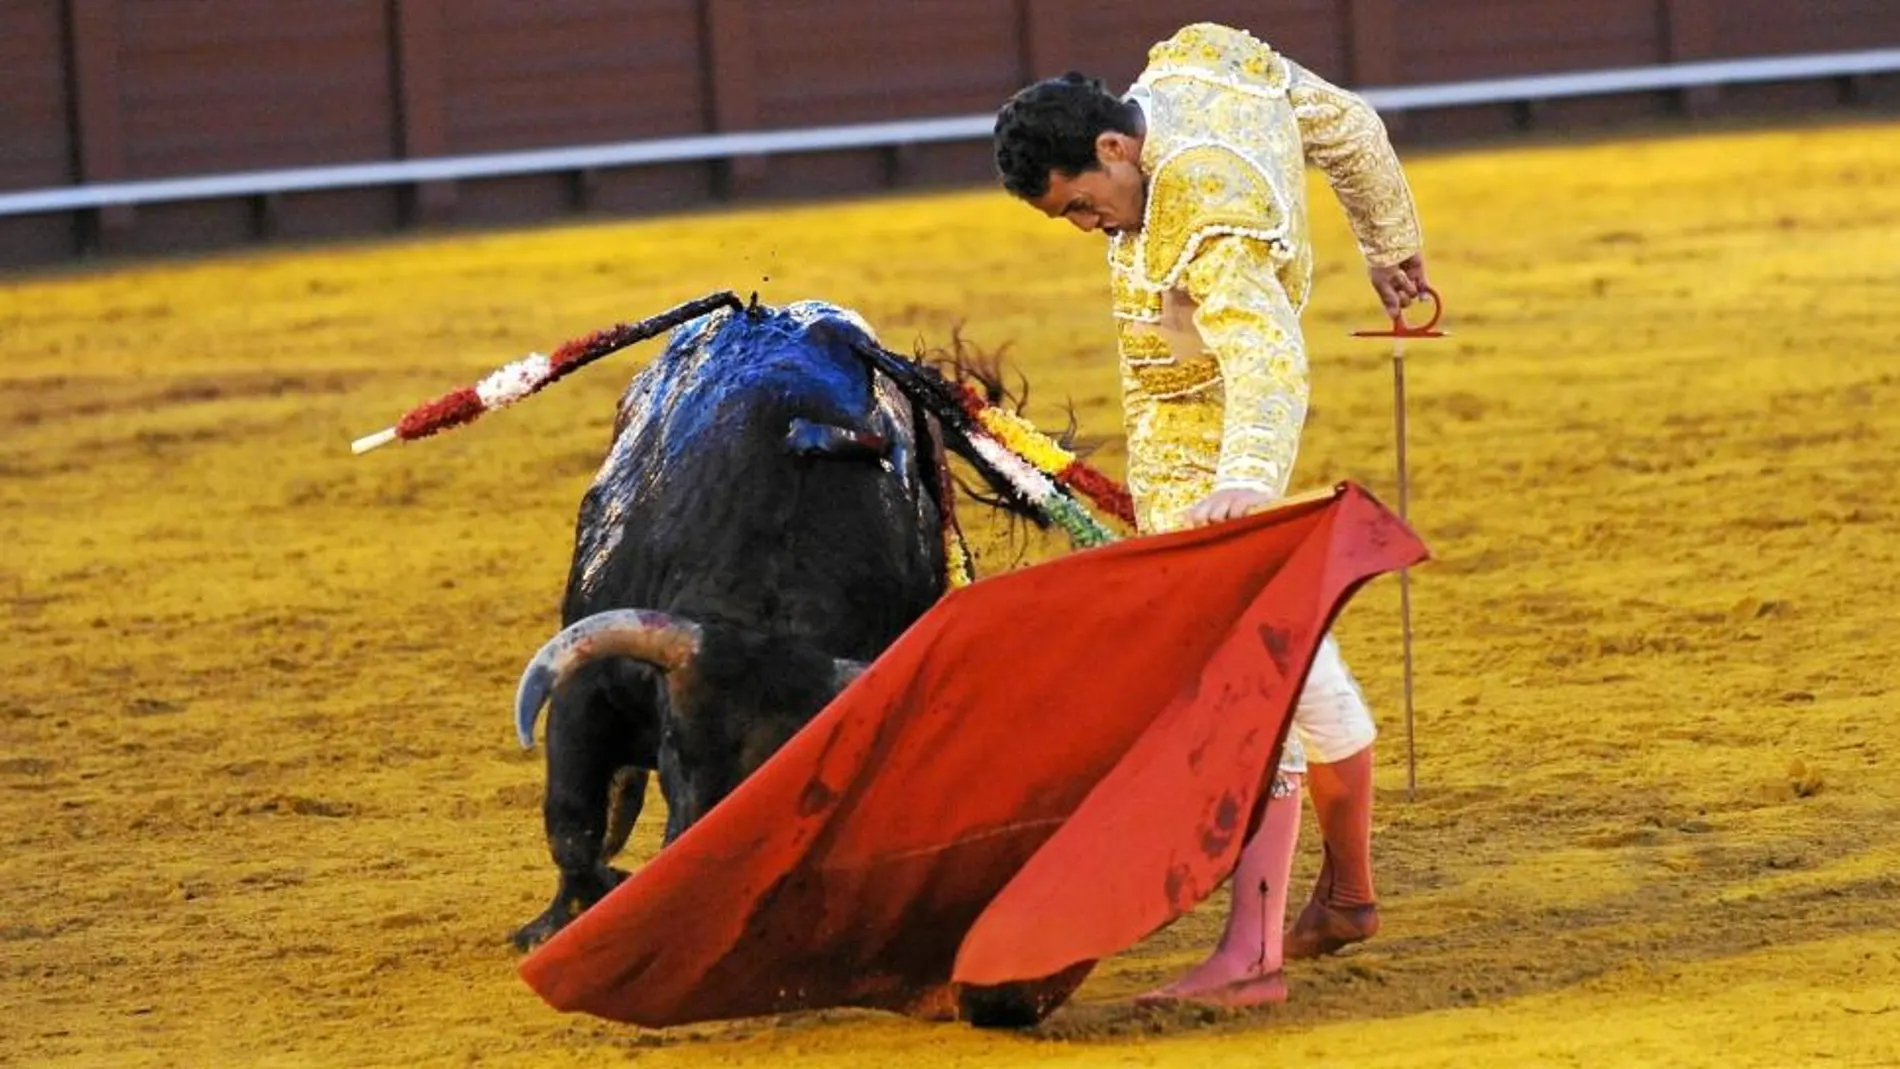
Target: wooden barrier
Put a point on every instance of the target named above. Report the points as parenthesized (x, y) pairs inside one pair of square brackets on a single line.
[(112, 94)]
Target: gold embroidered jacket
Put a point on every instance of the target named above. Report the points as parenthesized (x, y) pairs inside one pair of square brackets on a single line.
[(1208, 293)]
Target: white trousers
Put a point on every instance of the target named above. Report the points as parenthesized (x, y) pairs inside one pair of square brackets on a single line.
[(1332, 721)]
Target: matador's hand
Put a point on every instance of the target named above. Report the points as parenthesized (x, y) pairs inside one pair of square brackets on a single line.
[(1398, 285), (1222, 505)]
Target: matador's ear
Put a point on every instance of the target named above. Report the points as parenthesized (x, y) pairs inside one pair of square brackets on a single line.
[(1113, 146)]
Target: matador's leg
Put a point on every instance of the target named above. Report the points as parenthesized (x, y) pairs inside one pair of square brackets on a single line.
[(1335, 725)]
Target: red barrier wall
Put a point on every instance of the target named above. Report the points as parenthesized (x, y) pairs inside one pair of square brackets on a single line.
[(108, 90)]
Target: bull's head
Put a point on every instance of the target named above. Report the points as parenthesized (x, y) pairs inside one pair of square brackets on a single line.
[(755, 712)]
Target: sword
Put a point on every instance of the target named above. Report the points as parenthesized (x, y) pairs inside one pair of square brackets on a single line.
[(1399, 332)]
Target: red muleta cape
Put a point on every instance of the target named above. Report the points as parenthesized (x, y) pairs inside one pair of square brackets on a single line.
[(1047, 767)]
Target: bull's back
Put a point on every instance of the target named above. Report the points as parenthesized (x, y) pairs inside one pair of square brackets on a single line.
[(701, 510)]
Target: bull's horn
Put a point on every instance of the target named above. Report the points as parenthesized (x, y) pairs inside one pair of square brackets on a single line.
[(665, 642)]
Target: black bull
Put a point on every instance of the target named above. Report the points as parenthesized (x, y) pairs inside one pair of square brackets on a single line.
[(768, 518)]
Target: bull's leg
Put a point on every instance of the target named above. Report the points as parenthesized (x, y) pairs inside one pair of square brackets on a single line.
[(587, 745), (626, 795)]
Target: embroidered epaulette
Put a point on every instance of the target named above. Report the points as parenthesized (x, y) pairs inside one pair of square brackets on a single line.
[(1221, 54)]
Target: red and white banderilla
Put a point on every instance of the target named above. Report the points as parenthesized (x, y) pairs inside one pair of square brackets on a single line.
[(512, 382)]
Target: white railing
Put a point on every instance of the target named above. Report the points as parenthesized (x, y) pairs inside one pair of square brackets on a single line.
[(905, 132)]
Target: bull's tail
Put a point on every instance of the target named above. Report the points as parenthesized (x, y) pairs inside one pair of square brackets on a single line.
[(668, 643)]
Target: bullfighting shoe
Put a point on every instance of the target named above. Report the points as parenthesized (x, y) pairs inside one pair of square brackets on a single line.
[(1324, 929)]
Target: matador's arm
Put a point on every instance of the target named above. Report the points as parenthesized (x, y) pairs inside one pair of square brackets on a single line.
[(1246, 320), (1345, 138)]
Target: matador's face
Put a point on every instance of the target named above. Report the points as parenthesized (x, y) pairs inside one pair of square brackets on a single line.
[(1109, 196)]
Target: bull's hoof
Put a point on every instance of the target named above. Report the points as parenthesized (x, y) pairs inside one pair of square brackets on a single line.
[(541, 929), (999, 1007), (575, 897)]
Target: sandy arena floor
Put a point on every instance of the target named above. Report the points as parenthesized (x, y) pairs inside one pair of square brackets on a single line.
[(261, 803)]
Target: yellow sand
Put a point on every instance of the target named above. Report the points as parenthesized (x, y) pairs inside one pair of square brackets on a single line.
[(261, 803)]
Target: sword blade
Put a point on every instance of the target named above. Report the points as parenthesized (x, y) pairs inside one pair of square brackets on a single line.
[(1405, 574)]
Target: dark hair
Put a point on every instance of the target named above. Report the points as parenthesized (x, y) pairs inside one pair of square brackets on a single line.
[(1052, 126)]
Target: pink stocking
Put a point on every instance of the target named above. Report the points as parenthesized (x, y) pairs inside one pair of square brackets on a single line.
[(1244, 969)]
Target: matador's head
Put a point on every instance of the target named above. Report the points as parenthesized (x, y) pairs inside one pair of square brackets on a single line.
[(1070, 147)]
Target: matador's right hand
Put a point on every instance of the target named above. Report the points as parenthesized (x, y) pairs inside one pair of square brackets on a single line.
[(1398, 285)]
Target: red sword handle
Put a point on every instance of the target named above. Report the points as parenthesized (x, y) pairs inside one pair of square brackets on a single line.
[(1402, 329)]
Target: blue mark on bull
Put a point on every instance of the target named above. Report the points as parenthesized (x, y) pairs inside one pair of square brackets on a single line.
[(719, 365), (735, 382)]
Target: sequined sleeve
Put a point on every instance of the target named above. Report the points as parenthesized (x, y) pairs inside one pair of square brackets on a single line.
[(1246, 320), (1345, 138)]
